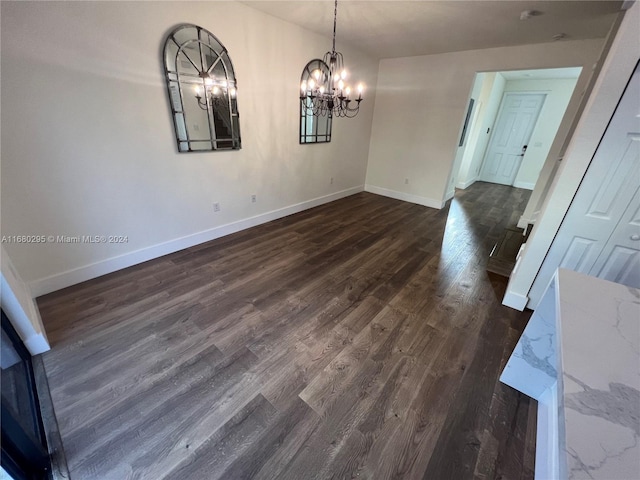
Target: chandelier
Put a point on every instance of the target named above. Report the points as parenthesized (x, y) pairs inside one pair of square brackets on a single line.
[(214, 91), (325, 92)]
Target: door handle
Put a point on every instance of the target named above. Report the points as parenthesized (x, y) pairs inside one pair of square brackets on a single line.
[(635, 237), (524, 150)]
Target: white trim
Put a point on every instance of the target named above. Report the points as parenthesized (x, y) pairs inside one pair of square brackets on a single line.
[(450, 195), (35, 342), (532, 219), (515, 300), (467, 184), (527, 185), (524, 222), (71, 277), (406, 197), (547, 435)]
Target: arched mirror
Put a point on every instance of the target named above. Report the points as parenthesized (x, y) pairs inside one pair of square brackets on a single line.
[(315, 126), (203, 91)]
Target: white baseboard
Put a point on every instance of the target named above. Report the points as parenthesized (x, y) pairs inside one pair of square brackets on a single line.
[(450, 195), (406, 197), (81, 274), (527, 185), (467, 184), (523, 222), (36, 342), (515, 300)]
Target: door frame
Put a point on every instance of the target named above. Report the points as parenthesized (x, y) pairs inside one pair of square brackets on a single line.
[(603, 197), (601, 90)]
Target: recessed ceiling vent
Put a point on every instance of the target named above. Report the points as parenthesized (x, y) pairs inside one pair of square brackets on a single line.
[(527, 14)]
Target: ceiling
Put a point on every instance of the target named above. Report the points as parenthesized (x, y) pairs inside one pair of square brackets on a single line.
[(385, 29)]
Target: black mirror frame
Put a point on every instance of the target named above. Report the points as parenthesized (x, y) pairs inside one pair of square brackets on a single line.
[(306, 114), (223, 115)]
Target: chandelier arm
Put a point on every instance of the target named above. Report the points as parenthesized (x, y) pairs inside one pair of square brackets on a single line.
[(202, 105)]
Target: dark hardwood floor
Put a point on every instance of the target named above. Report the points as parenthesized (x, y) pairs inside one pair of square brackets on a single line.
[(359, 339)]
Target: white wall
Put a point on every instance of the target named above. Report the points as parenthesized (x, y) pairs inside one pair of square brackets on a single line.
[(558, 93), (491, 96), (421, 101), (609, 86), (88, 143), (465, 152)]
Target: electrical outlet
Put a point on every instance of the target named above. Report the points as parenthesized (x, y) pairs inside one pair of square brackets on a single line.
[(253, 199), (406, 181), (216, 207), (331, 182)]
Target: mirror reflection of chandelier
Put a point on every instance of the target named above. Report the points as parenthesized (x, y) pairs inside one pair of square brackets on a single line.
[(326, 91), (213, 91)]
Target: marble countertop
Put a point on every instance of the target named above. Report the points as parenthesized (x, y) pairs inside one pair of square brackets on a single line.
[(598, 353), (579, 356)]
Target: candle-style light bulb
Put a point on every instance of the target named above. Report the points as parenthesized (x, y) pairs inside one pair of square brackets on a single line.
[(321, 89), (316, 74), (208, 81), (340, 84), (233, 92), (216, 90), (347, 91), (343, 74), (311, 84), (303, 86), (360, 90), (336, 77)]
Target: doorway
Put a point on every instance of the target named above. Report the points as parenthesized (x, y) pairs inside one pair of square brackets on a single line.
[(477, 159)]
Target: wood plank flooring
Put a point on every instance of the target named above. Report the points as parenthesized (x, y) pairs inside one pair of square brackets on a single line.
[(360, 339)]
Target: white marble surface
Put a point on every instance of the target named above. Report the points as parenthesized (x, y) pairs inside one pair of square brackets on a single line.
[(599, 401), (589, 330), (531, 369)]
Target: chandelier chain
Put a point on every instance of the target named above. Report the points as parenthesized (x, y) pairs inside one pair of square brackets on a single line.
[(335, 20)]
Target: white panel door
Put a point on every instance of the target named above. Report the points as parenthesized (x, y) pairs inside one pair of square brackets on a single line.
[(512, 131), (620, 258), (600, 233), (589, 230)]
